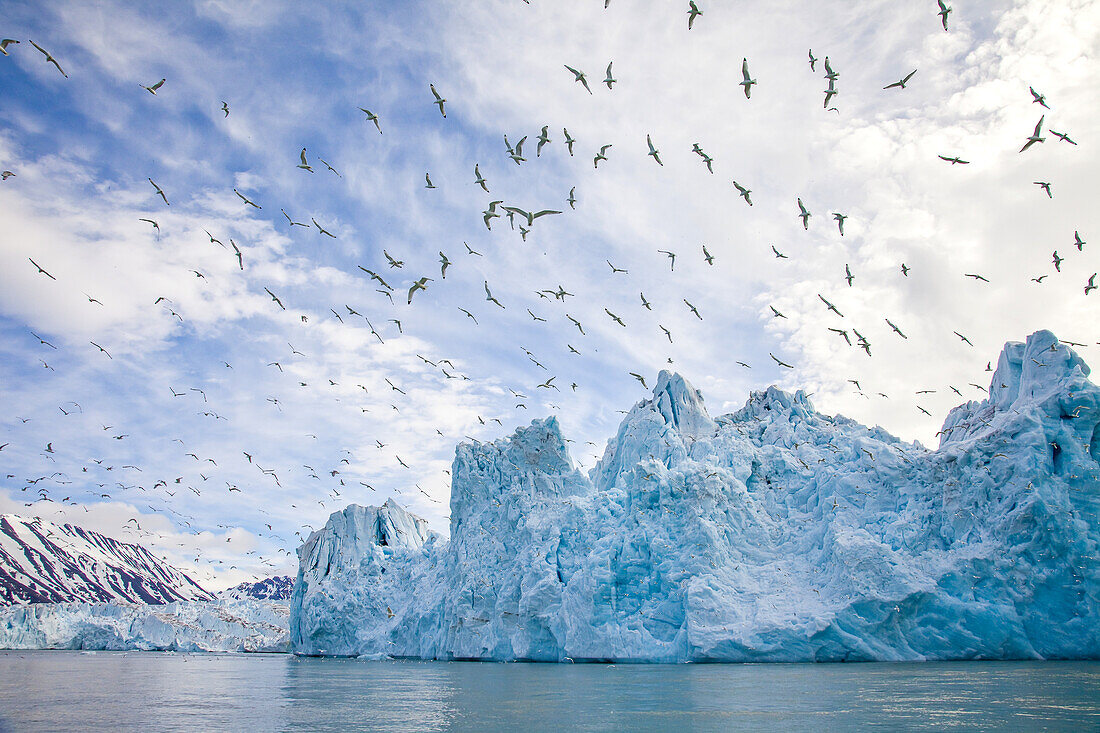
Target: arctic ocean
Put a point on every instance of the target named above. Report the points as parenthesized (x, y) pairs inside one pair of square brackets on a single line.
[(118, 691)]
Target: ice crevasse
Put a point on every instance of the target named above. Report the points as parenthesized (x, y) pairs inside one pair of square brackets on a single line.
[(774, 533)]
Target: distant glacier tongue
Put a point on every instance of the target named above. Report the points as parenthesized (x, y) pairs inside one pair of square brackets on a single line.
[(774, 533)]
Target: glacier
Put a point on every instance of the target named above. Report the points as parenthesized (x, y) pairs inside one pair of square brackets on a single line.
[(228, 625), (772, 534)]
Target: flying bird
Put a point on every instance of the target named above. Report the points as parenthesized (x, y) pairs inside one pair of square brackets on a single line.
[(840, 221), (1037, 98), (693, 13), (1063, 137), (421, 284), (1058, 261), (1036, 136), (438, 100), (1091, 284), (813, 61), (954, 159), (225, 108), (479, 180), (568, 141), (830, 306), (805, 215), (49, 59), (153, 89), (489, 295), (5, 43), (779, 362), (900, 84), (1078, 241), (41, 271), (747, 81), (896, 329), (244, 198), (848, 275), (274, 298), (1045, 185), (579, 77), (743, 192), (159, 191), (653, 152), (372, 117), (943, 13), (610, 79), (304, 165), (602, 155)]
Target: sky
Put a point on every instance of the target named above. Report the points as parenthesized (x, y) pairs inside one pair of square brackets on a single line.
[(235, 404)]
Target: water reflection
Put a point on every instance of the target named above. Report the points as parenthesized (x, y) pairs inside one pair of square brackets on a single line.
[(75, 691)]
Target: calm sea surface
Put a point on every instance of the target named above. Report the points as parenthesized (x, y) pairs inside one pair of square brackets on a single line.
[(116, 691)]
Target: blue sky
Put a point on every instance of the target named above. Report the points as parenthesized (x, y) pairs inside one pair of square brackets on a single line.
[(83, 147)]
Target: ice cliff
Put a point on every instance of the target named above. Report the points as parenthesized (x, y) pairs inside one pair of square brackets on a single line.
[(244, 625), (775, 533)]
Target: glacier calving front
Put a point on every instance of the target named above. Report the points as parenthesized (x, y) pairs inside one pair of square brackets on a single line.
[(774, 533)]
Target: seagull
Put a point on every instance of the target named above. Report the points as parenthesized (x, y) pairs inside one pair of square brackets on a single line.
[(645, 303), (708, 256), (1039, 279), (842, 332), (489, 295), (304, 165), (904, 269), (1062, 136), (977, 277), (576, 323), (438, 100), (488, 214), (944, 12), (154, 223), (41, 271), (693, 309), (159, 192), (964, 338), (527, 215), (49, 59), (671, 257), (372, 117), (778, 255), (848, 275), (830, 306), (572, 200), (470, 315), (666, 331), (954, 159), (1045, 185), (8, 174), (225, 108), (829, 94), (747, 80), (153, 89), (1078, 241), (321, 229), (1058, 261), (615, 269), (579, 76), (242, 197), (1037, 98), (479, 180), (602, 155), (568, 141), (901, 83), (743, 192), (5, 43), (775, 313), (614, 317), (330, 167), (274, 298), (693, 13), (654, 151), (543, 139), (840, 221), (805, 215), (420, 284), (896, 329), (777, 361), (444, 263), (1035, 136), (610, 79), (93, 343), (470, 250), (1091, 284)]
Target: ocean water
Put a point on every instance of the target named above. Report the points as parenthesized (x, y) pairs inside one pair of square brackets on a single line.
[(117, 691)]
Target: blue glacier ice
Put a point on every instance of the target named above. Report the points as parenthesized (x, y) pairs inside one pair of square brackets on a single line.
[(775, 533)]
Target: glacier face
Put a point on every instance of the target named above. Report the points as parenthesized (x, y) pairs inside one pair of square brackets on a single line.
[(244, 625), (774, 533)]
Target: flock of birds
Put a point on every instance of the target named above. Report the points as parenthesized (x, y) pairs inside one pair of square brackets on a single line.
[(521, 219)]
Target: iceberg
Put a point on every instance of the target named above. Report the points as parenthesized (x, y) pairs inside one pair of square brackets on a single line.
[(772, 534)]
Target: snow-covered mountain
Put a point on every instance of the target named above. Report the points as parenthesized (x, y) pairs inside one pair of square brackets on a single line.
[(775, 533), (276, 588), (43, 562)]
